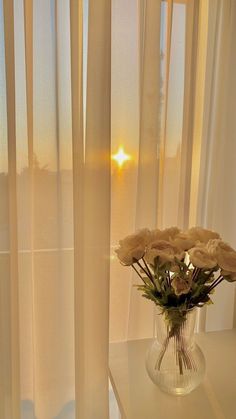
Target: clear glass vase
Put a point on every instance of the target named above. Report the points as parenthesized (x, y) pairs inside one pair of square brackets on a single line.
[(174, 361)]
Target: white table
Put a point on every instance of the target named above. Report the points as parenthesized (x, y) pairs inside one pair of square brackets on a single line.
[(139, 398)]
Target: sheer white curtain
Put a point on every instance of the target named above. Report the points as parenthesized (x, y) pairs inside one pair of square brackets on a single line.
[(216, 185), (54, 187), (153, 189), (172, 104), (182, 171)]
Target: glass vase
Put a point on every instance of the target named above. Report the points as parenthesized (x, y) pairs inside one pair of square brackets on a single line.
[(174, 361)]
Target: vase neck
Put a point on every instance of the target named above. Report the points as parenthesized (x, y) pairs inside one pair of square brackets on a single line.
[(173, 322)]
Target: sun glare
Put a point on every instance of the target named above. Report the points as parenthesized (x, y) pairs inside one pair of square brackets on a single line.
[(120, 157)]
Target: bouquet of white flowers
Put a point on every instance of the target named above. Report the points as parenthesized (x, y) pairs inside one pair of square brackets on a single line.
[(179, 270)]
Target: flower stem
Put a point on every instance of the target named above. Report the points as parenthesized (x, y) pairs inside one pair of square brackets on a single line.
[(147, 267), (215, 283), (195, 273), (149, 275), (147, 272), (140, 276)]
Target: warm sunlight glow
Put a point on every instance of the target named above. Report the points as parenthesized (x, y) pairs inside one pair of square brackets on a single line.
[(120, 157)]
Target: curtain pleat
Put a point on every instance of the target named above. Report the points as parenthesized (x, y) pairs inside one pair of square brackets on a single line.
[(163, 136), (140, 312), (10, 380), (97, 210), (149, 136), (91, 209), (28, 25), (216, 200), (76, 38), (124, 132), (191, 48), (28, 38)]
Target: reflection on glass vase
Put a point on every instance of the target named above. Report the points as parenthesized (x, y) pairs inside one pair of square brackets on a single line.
[(174, 361)]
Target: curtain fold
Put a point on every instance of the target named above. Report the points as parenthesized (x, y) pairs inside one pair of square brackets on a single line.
[(76, 37), (189, 106), (10, 366), (93, 236), (140, 312), (216, 198)]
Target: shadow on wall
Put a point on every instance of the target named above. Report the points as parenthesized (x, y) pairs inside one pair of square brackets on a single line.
[(68, 411), (28, 412)]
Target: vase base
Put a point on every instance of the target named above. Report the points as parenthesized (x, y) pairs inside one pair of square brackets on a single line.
[(168, 377), (166, 384), (178, 391)]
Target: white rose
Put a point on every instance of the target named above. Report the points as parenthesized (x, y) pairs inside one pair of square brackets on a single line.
[(201, 234), (166, 234), (166, 251), (201, 258), (224, 254), (181, 285), (183, 241), (216, 246), (130, 256), (229, 276), (132, 248)]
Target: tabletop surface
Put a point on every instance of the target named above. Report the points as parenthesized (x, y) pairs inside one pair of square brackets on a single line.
[(139, 398)]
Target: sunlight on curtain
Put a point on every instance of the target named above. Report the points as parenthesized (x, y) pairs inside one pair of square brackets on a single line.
[(124, 131), (150, 15), (146, 190), (181, 172)]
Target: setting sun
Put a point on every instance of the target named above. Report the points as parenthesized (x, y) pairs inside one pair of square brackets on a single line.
[(120, 157)]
